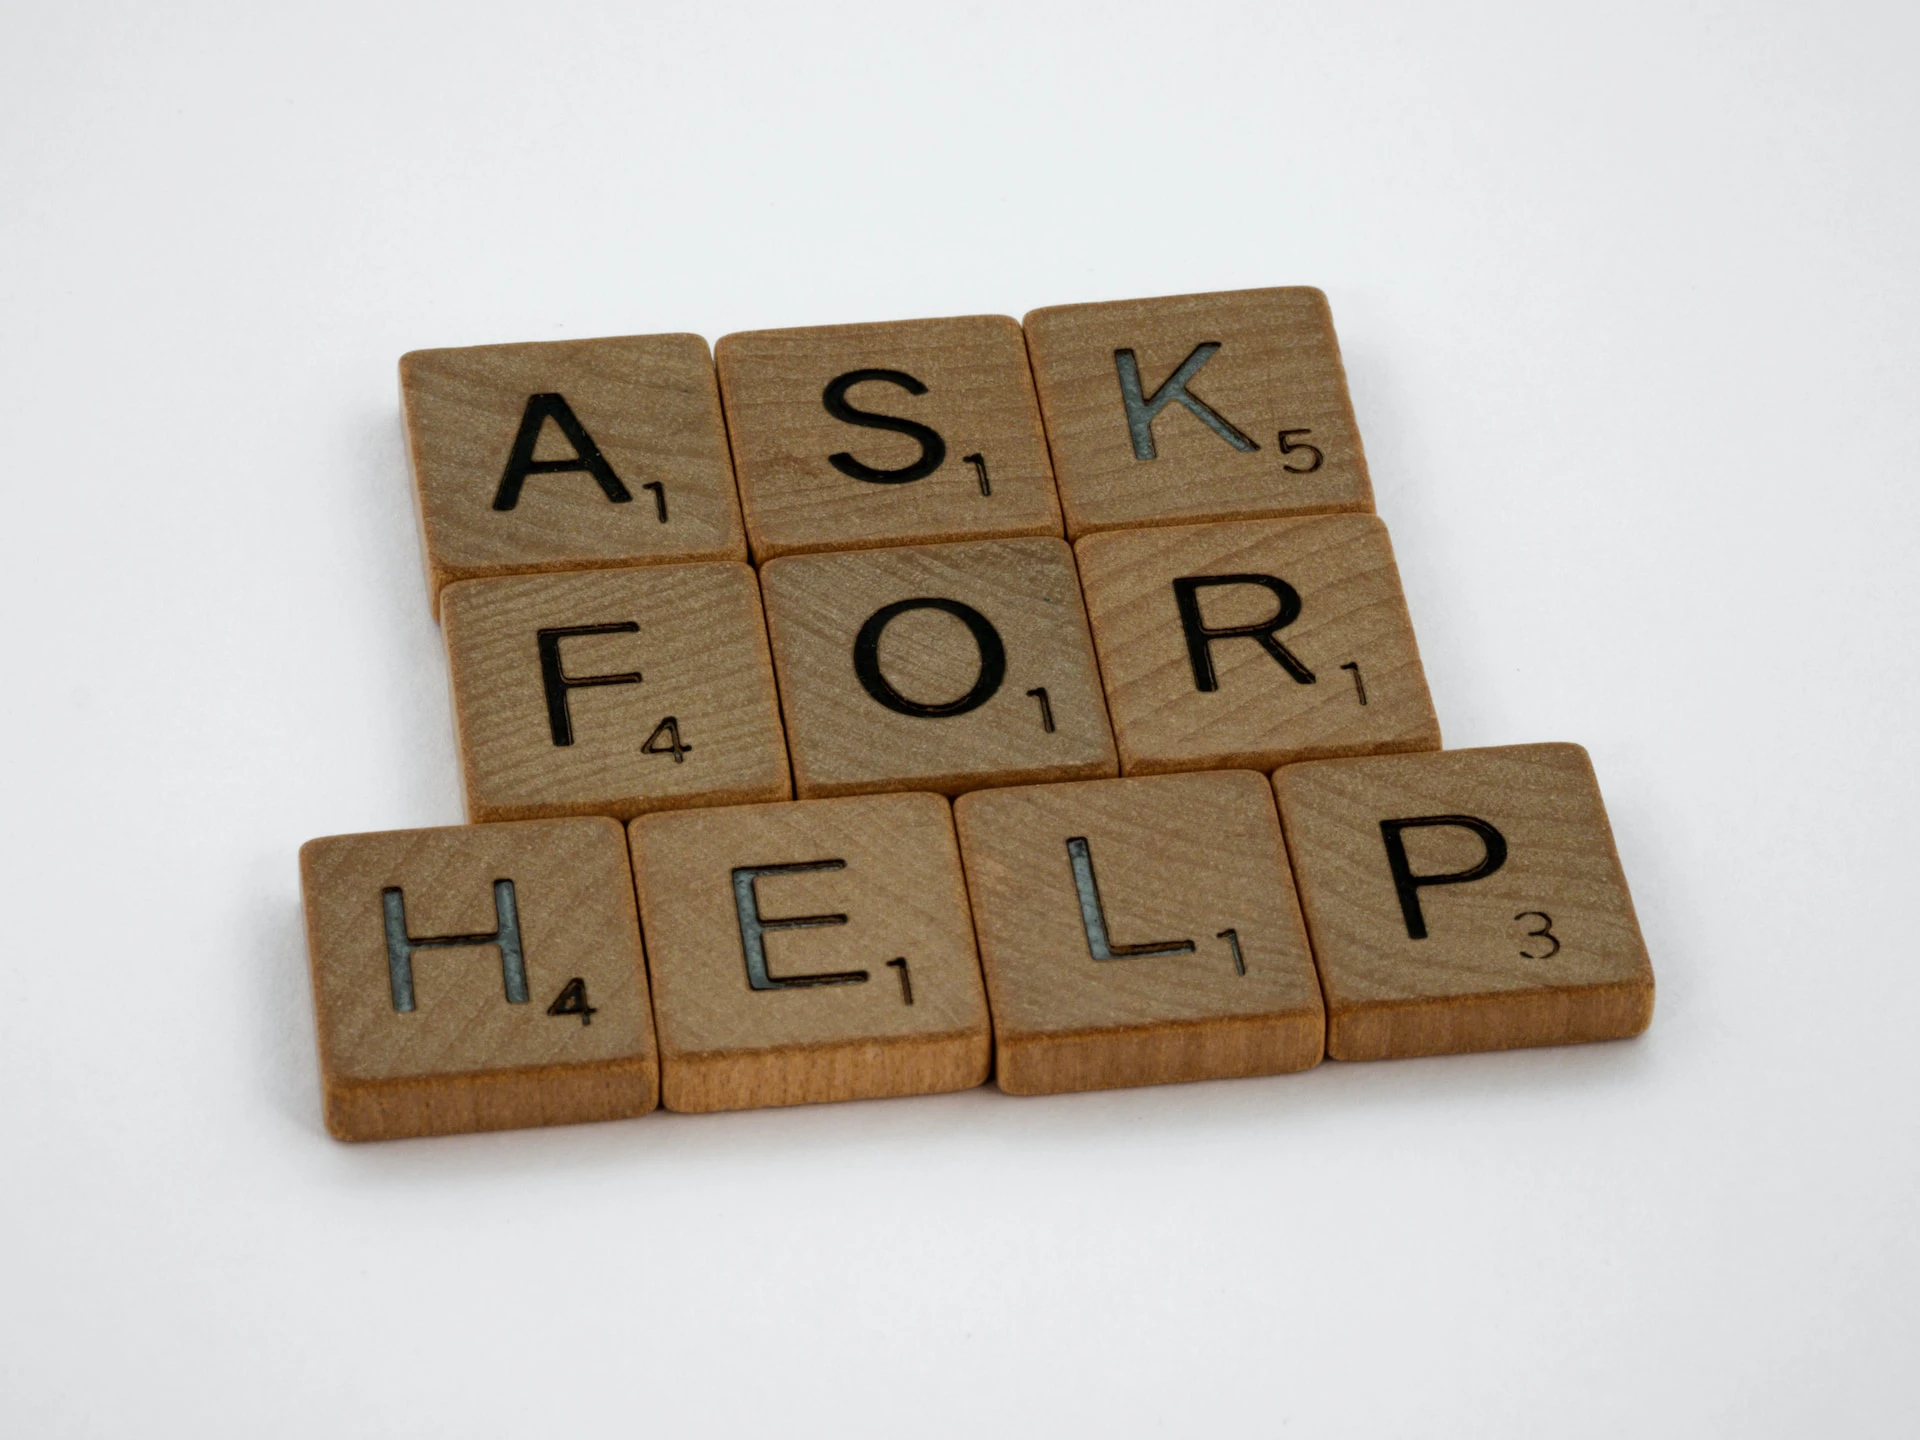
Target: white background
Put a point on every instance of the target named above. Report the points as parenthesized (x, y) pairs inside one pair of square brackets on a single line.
[(1628, 299)]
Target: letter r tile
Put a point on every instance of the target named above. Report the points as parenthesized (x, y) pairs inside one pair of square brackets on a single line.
[(910, 431), (1255, 643), (477, 977), (568, 455), (1465, 900), (613, 692), (1197, 407), (936, 667), (1138, 931), (817, 950)]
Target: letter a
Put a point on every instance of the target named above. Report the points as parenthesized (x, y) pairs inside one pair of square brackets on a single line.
[(586, 454)]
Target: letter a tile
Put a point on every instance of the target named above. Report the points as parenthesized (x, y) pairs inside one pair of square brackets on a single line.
[(1467, 900), (852, 436), (477, 978), (1255, 643), (819, 950), (568, 455), (1135, 932), (936, 667), (1197, 407), (613, 692)]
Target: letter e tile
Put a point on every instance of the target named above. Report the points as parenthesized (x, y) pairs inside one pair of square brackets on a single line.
[(818, 950)]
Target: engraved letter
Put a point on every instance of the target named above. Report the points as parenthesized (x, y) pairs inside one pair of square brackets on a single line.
[(933, 450), (586, 454), (866, 658), (1186, 594), (754, 927), (1141, 411), (1093, 915), (1408, 884), (401, 945), (554, 677)]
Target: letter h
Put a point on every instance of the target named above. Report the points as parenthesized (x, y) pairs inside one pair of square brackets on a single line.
[(401, 945)]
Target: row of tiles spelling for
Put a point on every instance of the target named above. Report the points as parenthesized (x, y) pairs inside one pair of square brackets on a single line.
[(1068, 936), (590, 679)]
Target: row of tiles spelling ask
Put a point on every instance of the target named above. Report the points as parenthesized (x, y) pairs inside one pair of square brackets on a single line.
[(569, 455), (1070, 936), (952, 667)]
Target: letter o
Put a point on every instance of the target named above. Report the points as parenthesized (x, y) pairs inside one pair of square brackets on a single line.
[(993, 658)]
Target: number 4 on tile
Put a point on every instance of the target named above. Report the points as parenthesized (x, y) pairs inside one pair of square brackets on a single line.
[(668, 730), (572, 1000)]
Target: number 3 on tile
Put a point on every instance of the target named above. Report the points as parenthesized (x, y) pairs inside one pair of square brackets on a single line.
[(669, 731), (1544, 932)]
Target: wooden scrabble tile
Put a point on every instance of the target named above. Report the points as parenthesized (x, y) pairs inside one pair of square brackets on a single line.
[(612, 692), (567, 455), (1197, 407), (477, 978), (1255, 643), (1468, 900), (852, 436), (818, 950), (1135, 932), (936, 667)]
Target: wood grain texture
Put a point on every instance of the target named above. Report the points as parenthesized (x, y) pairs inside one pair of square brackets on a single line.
[(726, 1045), (1483, 977), (649, 403), (1351, 613), (1277, 368), (845, 741), (700, 649), (1174, 859), (978, 400), (465, 1057)]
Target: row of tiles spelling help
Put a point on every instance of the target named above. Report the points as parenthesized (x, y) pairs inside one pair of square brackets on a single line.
[(611, 658), (1070, 936)]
